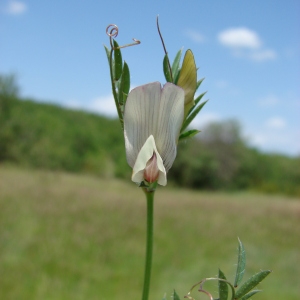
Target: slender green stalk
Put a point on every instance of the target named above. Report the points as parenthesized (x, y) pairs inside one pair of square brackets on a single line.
[(149, 244)]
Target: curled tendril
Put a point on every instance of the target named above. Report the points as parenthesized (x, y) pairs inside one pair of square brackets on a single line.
[(201, 290), (112, 31)]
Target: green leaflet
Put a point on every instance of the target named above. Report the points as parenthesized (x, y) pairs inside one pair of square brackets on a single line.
[(250, 294), (188, 134), (118, 63), (197, 100), (199, 83), (111, 62), (119, 88), (107, 53), (124, 84), (251, 283), (223, 287), (167, 69), (175, 66), (240, 270), (175, 296), (191, 117)]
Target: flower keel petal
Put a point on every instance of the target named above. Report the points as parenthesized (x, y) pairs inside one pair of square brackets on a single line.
[(146, 154)]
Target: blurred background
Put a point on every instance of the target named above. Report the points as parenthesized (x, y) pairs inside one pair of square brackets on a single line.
[(63, 170)]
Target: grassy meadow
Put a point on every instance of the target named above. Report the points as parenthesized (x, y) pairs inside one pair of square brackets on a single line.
[(66, 236)]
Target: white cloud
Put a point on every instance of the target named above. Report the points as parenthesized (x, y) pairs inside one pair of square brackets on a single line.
[(195, 36), (245, 43), (258, 139), (205, 118), (103, 105), (73, 104), (222, 84), (269, 101), (276, 123), (271, 140), (15, 7), (266, 54), (240, 38)]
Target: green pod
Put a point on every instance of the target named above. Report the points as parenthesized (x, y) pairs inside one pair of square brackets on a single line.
[(167, 69), (118, 63)]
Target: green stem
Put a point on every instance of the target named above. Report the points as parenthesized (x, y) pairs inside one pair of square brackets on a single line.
[(149, 244)]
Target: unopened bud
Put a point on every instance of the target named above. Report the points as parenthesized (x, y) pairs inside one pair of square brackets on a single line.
[(188, 80)]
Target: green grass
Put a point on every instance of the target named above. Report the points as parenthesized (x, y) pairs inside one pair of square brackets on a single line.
[(75, 237)]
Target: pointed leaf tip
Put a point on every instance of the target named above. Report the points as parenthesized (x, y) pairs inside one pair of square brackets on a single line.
[(240, 270), (175, 296), (250, 294), (107, 51), (188, 134), (175, 66), (223, 287), (193, 113), (251, 283)]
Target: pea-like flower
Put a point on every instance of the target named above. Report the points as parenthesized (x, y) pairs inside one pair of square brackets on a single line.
[(152, 121)]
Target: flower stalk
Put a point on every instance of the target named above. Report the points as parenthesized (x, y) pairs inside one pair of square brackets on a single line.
[(149, 242)]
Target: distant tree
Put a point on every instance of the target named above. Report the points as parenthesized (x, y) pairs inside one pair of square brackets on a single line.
[(211, 160), (9, 91), (224, 141), (9, 86)]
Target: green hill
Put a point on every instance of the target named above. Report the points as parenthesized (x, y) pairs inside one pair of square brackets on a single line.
[(44, 136), (51, 137)]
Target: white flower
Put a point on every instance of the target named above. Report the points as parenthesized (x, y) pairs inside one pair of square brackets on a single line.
[(152, 120)]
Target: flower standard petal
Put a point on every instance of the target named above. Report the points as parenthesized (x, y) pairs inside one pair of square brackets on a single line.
[(140, 117), (152, 110), (171, 114)]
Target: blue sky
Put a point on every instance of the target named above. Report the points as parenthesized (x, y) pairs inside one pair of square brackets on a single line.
[(248, 52)]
